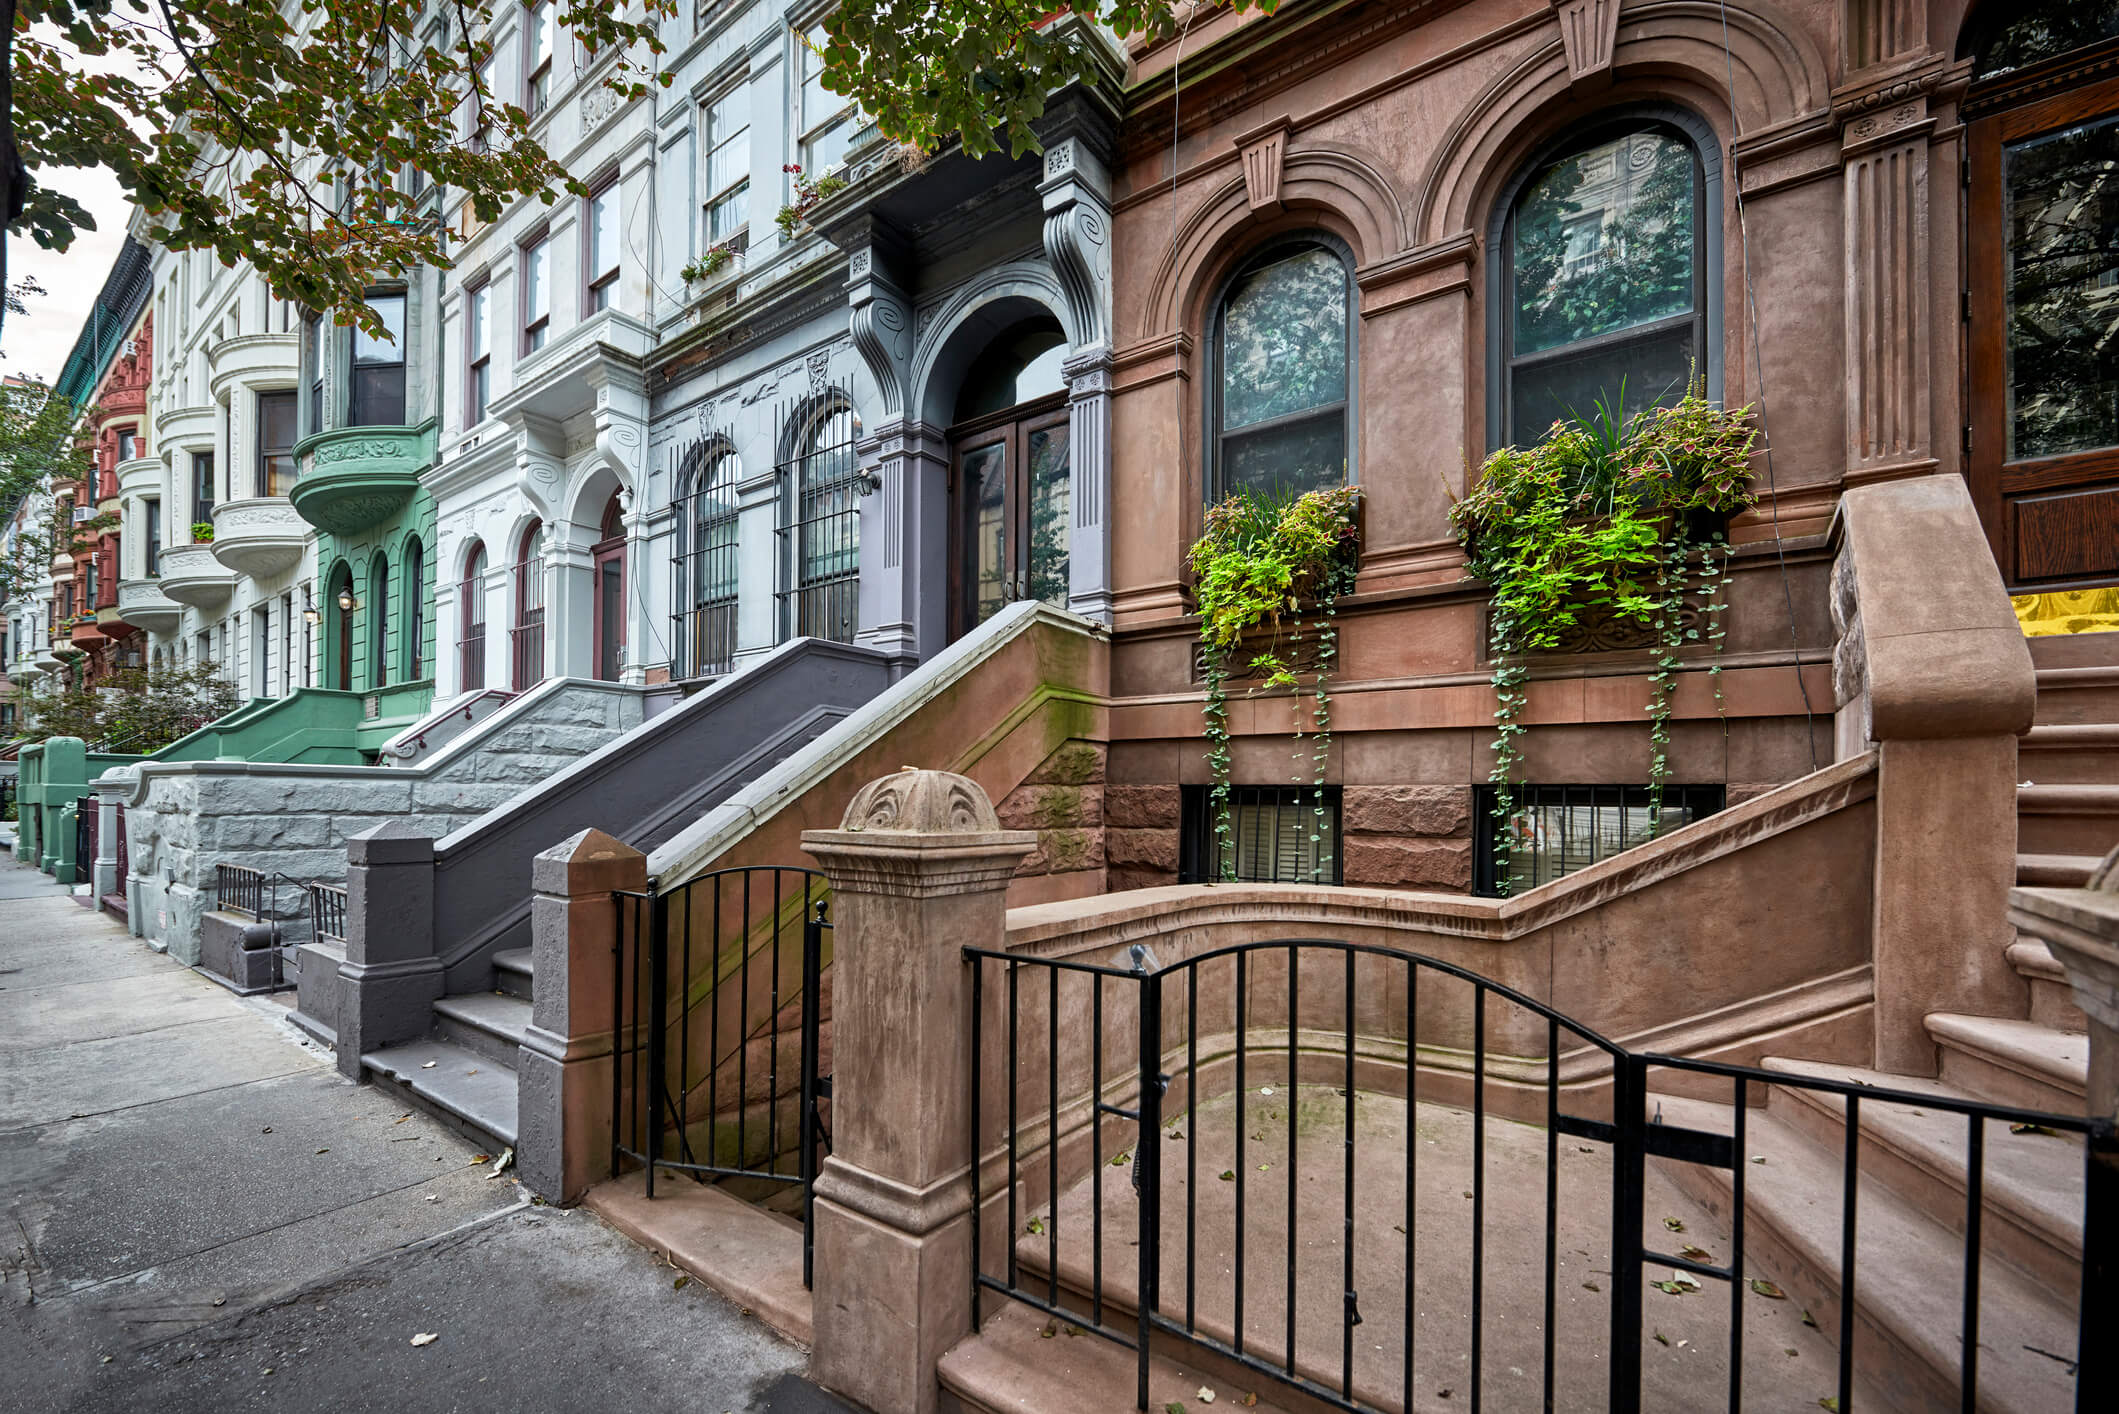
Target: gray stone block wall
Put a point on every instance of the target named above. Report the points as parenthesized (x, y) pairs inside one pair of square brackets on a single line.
[(295, 820)]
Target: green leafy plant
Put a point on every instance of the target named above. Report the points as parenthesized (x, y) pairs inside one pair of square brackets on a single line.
[(131, 709), (1274, 565), (202, 532), (808, 192), (710, 262), (1612, 514)]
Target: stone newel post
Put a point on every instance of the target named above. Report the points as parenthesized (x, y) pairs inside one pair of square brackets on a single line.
[(391, 977), (919, 869)]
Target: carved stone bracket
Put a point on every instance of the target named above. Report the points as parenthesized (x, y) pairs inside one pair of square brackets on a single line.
[(1077, 236), (1590, 31), (879, 316), (1265, 157)]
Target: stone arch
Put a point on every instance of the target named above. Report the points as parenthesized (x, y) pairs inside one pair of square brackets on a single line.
[(956, 332), (590, 490), (1667, 49), (1330, 188)]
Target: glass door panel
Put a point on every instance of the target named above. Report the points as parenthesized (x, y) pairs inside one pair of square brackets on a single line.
[(1045, 450), (989, 570)]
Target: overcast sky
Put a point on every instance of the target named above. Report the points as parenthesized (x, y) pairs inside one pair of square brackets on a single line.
[(37, 343)]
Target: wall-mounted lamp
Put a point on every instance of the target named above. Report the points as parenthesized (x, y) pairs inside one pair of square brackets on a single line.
[(312, 617), (347, 602)]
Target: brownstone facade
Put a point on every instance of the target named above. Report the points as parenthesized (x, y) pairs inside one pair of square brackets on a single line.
[(1828, 139)]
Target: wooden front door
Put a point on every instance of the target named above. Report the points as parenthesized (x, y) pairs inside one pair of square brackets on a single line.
[(608, 561), (1010, 512), (2042, 254)]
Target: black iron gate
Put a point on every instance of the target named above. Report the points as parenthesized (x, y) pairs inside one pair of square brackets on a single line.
[(1286, 1038), (715, 976)]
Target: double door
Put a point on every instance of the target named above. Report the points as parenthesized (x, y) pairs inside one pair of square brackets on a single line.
[(1011, 512)]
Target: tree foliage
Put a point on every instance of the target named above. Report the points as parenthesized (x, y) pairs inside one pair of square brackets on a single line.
[(926, 70), (39, 449), (132, 709), (288, 135)]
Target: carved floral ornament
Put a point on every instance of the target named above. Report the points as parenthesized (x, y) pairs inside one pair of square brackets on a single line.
[(914, 801)]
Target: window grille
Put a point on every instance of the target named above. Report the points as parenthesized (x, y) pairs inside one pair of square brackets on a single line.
[(1565, 828), (704, 585), (1278, 833), (820, 516), (526, 638)]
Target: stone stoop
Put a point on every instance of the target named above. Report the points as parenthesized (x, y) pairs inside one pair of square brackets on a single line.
[(463, 1070), (2067, 819), (2013, 1062), (2052, 998), (2067, 807), (1908, 1256), (1011, 1365)]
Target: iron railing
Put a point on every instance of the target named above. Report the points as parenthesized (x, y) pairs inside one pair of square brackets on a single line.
[(819, 534), (1277, 835), (327, 913), (704, 566), (240, 890), (714, 978), (86, 835), (1259, 1073)]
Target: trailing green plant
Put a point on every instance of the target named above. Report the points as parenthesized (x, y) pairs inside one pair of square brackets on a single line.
[(1278, 564), (1611, 514), (808, 192), (710, 262)]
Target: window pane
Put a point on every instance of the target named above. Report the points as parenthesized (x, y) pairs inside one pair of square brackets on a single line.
[(369, 349), (1050, 529), (728, 157), (1283, 339), (985, 483), (603, 230), (475, 334), (2063, 271), (729, 214), (1288, 459), (827, 149), (1650, 371), (1604, 240), (378, 397), (2024, 32), (536, 288)]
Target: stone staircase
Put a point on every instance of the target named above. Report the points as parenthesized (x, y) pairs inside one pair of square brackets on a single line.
[(464, 1070), (2067, 809)]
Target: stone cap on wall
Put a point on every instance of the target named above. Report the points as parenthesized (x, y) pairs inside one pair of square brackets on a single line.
[(923, 834)]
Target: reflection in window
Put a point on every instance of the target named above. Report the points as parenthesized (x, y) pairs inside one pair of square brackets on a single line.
[(602, 236), (2062, 282), (2019, 33), (276, 437), (1281, 412), (378, 393), (826, 121), (1280, 834), (1605, 286), (1046, 450), (1560, 829), (827, 529), (727, 165)]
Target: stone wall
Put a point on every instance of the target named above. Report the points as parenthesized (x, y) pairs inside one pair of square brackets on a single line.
[(183, 819)]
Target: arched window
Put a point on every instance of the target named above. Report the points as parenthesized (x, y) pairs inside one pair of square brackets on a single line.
[(415, 610), (827, 523), (2042, 260), (471, 604), (526, 638), (706, 563), (343, 607), (1604, 294), (379, 623), (1281, 411)]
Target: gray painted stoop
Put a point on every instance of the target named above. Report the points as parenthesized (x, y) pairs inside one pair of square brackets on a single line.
[(457, 1054)]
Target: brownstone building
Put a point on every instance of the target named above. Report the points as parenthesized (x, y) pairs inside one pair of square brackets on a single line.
[(1887, 224)]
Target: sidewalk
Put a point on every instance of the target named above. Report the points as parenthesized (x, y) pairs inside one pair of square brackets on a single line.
[(197, 1212)]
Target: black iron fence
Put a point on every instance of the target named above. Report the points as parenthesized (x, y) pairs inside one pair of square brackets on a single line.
[(86, 837), (327, 913), (1253, 1158), (240, 890), (719, 1069)]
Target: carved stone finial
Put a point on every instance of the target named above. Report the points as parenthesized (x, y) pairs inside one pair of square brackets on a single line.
[(913, 801)]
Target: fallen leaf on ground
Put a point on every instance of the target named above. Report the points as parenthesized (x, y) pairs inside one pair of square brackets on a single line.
[(507, 1157), (1809, 1320), (1787, 1350), (1767, 1288), (1117, 1159), (402, 1118), (1674, 1224), (1265, 1089), (1036, 1226), (1206, 1396), (1591, 1286), (1831, 1402), (324, 1150), (1663, 1339), (430, 1065), (426, 1337), (1695, 1253), (1467, 1193), (1174, 1407), (1758, 1158), (1250, 1401), (680, 1283), (1442, 1393), (1048, 1330), (477, 1159), (433, 1197), (266, 1130), (2034, 1129), (1398, 1227)]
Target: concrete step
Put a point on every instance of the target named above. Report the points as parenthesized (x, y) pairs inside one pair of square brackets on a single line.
[(489, 1023), (2077, 696), (2030, 1184), (2011, 1062), (513, 973), (320, 991), (2067, 819), (2054, 871), (2052, 999), (1011, 1365), (2085, 754), (2074, 650), (470, 1092), (1908, 1273)]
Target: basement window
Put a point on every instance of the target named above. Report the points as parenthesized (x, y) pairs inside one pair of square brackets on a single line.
[(1271, 828), (1566, 828)]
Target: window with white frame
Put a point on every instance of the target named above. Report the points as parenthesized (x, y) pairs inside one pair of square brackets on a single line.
[(478, 354), (825, 121), (600, 245), (727, 142), (483, 101), (537, 29), (536, 292)]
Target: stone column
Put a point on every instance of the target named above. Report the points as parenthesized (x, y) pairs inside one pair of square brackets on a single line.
[(391, 977), (1088, 375), (563, 1104), (569, 601), (905, 539), (103, 874), (919, 869)]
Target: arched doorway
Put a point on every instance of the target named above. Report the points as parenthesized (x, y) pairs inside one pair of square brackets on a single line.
[(1010, 466), (343, 606), (607, 558)]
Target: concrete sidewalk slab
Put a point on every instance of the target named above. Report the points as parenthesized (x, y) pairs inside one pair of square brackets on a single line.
[(93, 1077), (38, 1016)]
